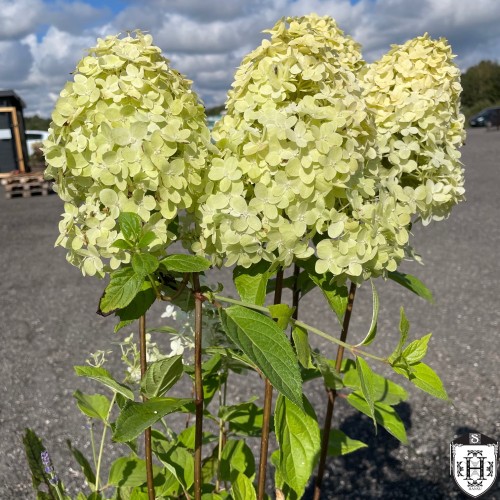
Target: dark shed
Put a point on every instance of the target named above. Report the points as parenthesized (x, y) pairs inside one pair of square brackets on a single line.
[(13, 151)]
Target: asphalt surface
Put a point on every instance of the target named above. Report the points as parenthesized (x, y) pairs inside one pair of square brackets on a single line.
[(48, 324)]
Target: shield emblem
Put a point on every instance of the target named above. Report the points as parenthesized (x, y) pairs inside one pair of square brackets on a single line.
[(473, 463)]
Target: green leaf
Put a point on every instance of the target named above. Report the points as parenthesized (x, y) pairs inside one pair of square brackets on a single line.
[(183, 263), (243, 489), (124, 285), (180, 463), (161, 376), (127, 472), (139, 306), (385, 415), (365, 375), (329, 373), (298, 435), (340, 444), (415, 351), (302, 348), (104, 377), (136, 417), (336, 296), (372, 331), (147, 238), (425, 378), (244, 418), (130, 226), (236, 458), (187, 437), (251, 283), (144, 264), (122, 244), (83, 463), (282, 314), (384, 390), (267, 346), (404, 328), (413, 284), (93, 405)]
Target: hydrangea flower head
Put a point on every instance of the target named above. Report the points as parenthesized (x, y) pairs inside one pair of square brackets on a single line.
[(296, 136), (127, 135), (414, 94)]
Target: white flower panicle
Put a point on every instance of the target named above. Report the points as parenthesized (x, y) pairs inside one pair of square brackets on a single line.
[(127, 135), (323, 154), (414, 94), (295, 139)]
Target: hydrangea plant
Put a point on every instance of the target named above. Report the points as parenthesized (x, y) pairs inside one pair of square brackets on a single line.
[(128, 135)]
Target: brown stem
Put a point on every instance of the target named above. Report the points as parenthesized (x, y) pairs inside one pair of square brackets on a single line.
[(332, 395), (147, 433), (268, 401), (198, 386)]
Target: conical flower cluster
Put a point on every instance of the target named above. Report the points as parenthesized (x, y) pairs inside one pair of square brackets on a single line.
[(128, 135), (414, 94), (296, 136)]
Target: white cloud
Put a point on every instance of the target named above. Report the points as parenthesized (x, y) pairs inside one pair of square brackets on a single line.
[(206, 40), (19, 18)]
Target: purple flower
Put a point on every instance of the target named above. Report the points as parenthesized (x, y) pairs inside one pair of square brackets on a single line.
[(49, 469)]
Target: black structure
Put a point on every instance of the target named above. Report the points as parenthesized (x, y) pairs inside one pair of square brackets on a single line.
[(13, 150)]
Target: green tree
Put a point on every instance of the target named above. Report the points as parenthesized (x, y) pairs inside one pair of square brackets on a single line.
[(481, 86)]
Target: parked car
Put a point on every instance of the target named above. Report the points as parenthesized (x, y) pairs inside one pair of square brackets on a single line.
[(33, 138), (489, 117)]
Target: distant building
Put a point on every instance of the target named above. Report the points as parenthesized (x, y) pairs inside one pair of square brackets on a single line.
[(13, 151)]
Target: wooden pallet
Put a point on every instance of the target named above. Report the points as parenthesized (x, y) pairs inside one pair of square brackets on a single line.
[(26, 185)]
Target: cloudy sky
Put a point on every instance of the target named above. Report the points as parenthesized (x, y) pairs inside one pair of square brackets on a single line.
[(42, 40)]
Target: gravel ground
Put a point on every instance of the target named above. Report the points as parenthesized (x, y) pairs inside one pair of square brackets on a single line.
[(49, 324)]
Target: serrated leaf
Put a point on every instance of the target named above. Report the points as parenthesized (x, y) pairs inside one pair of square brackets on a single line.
[(146, 239), (144, 264), (93, 405), (404, 328), (340, 444), (104, 377), (122, 244), (336, 296), (139, 305), (243, 418), (136, 417), (415, 351), (372, 331), (365, 376), (237, 458), (124, 285), (184, 263), (161, 376), (413, 284), (83, 463), (282, 313), (251, 283), (127, 472), (180, 463), (384, 390), (242, 488), (267, 346), (385, 415), (302, 348), (298, 436), (130, 226), (425, 378)]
